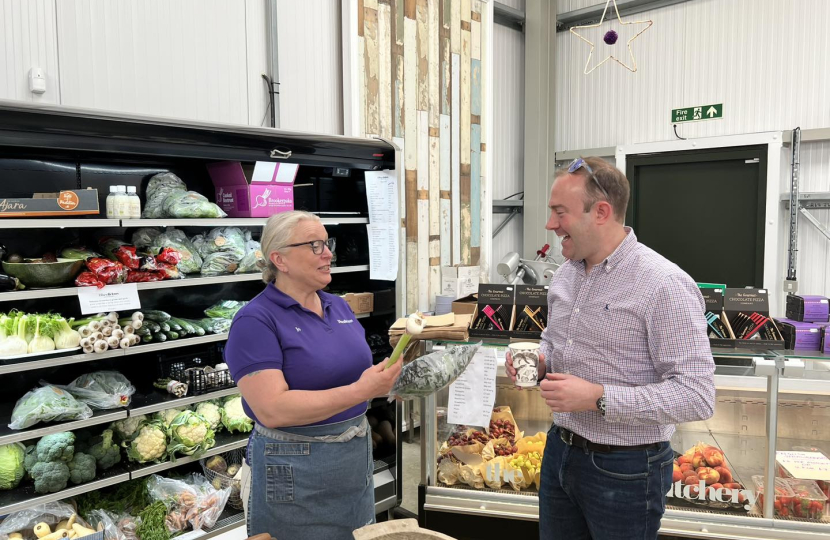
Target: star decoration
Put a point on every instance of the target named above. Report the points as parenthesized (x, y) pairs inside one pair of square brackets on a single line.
[(610, 38)]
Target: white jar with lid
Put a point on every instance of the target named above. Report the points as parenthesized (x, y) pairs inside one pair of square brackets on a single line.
[(111, 202), (122, 203), (134, 203)]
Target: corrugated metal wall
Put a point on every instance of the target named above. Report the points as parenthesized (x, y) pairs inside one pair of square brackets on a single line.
[(765, 60), (508, 133), (311, 72)]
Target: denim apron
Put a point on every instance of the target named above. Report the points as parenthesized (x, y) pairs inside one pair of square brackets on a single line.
[(311, 482)]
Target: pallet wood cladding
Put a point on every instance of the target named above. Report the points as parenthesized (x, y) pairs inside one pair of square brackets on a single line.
[(422, 82)]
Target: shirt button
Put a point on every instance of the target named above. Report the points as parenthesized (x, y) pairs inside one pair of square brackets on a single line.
[(576, 310), (570, 342)]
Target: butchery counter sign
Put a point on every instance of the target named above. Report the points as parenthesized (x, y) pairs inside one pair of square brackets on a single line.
[(701, 492)]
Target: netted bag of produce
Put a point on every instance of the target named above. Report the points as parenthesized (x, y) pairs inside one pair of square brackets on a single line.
[(174, 238), (159, 187), (189, 204), (47, 404), (432, 372), (101, 389)]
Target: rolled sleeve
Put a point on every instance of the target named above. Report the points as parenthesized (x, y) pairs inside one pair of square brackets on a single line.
[(679, 349), (252, 346)]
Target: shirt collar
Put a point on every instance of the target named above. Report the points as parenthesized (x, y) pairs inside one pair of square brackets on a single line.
[(284, 301), (622, 251)]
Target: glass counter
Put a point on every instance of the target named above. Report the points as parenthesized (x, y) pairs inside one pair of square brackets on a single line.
[(772, 397)]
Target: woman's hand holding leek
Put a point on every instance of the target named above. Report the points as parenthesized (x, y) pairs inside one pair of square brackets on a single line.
[(378, 380)]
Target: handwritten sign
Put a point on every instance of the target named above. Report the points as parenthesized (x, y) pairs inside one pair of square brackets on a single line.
[(110, 298), (805, 465)]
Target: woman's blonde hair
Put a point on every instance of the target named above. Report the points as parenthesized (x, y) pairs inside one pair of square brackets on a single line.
[(276, 234)]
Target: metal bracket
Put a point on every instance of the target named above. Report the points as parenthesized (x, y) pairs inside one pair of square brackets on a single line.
[(276, 153), (816, 223)]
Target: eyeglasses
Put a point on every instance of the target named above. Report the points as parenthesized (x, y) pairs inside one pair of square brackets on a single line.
[(316, 245), (580, 163)]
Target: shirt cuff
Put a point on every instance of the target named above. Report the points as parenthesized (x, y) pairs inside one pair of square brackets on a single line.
[(620, 403), (251, 368)]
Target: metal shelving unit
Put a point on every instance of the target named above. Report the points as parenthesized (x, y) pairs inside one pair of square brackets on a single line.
[(36, 223), (101, 136)]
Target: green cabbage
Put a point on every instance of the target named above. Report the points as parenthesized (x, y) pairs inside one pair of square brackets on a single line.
[(11, 465)]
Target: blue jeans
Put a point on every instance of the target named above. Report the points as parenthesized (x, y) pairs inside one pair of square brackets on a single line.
[(305, 490), (602, 496)]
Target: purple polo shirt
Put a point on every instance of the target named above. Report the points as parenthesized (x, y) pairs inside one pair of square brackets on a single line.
[(275, 332)]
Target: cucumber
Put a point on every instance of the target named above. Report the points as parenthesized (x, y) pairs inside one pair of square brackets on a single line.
[(143, 331), (172, 334), (164, 327), (159, 337), (186, 325), (152, 326), (147, 339), (156, 315), (174, 324), (197, 329)]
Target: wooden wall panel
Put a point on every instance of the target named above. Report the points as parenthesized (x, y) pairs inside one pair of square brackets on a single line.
[(370, 36)]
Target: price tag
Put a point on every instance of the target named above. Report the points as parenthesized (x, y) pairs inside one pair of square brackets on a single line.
[(110, 298)]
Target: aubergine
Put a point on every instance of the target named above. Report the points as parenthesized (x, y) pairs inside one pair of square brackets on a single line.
[(8, 283)]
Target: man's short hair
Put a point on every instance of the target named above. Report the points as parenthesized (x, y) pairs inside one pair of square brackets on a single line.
[(610, 178)]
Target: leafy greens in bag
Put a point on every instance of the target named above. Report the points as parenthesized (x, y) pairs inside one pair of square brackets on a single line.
[(174, 238), (160, 186), (101, 389), (47, 404), (189, 204), (432, 372)]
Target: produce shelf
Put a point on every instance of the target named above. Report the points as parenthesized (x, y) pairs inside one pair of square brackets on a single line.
[(228, 521), (227, 222), (159, 401), (8, 435), (24, 496), (32, 294), (35, 223), (224, 442), (19, 365)]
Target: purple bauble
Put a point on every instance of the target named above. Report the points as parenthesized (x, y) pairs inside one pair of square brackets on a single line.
[(610, 37)]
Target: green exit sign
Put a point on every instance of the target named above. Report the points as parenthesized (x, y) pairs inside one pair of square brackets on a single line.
[(696, 114)]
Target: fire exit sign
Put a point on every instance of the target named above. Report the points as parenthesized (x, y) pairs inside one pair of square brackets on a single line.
[(696, 114)]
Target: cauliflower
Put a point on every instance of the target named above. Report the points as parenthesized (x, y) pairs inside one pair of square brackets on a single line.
[(11, 465), (189, 434), (210, 411), (149, 445), (127, 428), (50, 476), (56, 447), (234, 417), (106, 453), (167, 416), (82, 468)]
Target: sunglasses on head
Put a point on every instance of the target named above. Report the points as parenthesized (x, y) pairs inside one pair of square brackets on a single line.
[(580, 163)]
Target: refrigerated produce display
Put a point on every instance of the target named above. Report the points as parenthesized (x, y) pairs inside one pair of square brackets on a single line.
[(116, 414), (769, 427)]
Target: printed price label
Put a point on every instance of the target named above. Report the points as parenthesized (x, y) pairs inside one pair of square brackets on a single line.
[(110, 298)]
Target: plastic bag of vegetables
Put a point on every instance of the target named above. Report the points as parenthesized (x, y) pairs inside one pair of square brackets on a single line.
[(432, 372), (160, 186), (145, 237), (227, 239), (47, 404), (225, 309), (189, 204), (107, 522), (215, 325), (189, 434), (101, 389), (221, 262), (25, 520), (253, 261), (174, 238)]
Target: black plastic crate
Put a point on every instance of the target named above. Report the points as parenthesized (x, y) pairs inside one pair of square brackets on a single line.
[(190, 370)]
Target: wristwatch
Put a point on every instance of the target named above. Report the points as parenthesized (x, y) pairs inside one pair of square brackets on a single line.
[(601, 404)]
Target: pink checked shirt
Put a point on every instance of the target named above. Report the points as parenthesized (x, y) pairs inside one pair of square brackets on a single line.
[(636, 325)]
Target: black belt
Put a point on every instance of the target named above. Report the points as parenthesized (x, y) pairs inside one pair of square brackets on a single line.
[(572, 439)]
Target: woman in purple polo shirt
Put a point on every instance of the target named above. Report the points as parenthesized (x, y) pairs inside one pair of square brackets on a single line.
[(300, 359)]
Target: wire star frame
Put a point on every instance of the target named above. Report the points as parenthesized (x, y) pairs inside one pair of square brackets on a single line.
[(610, 38)]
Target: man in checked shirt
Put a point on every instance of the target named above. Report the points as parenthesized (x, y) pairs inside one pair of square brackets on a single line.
[(626, 356)]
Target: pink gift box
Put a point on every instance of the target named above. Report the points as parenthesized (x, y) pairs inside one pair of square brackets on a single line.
[(259, 189)]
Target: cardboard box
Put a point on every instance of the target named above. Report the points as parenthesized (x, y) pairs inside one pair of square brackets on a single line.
[(459, 281), (748, 301), (466, 305), (70, 202), (261, 189), (799, 335), (804, 308), (531, 305), (499, 298), (360, 302)]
